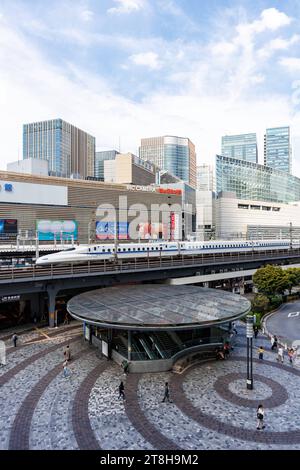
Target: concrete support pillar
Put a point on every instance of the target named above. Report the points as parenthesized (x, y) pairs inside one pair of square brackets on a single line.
[(109, 337), (35, 306), (129, 345), (52, 292)]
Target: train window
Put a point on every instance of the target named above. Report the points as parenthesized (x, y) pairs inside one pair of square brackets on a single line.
[(95, 248), (119, 249), (89, 250), (129, 249), (139, 249), (143, 248), (160, 248), (109, 250), (156, 248), (103, 250)]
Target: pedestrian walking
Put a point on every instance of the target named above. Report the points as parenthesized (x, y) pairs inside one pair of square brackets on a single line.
[(167, 393), (234, 328), (291, 355), (280, 354), (15, 339), (66, 370), (125, 366), (260, 414), (261, 353), (121, 391), (67, 353), (255, 328), (226, 349), (275, 343)]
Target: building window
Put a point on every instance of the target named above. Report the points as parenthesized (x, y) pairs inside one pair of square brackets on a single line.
[(256, 208), (243, 206)]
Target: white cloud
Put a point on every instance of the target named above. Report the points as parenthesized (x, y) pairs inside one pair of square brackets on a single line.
[(209, 98), (87, 15), (277, 44), (270, 19), (290, 63), (147, 59), (127, 6)]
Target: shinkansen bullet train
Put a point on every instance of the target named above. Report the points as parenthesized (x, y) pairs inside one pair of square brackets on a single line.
[(85, 253)]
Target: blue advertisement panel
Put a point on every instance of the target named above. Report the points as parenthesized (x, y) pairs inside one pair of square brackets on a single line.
[(58, 229), (107, 230), (8, 229)]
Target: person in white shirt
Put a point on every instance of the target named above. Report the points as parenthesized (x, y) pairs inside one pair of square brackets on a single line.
[(260, 414), (280, 354)]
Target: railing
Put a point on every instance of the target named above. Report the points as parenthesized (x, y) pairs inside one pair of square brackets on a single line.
[(168, 353), (136, 264)]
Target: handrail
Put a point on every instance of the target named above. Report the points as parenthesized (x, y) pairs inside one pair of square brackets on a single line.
[(134, 264)]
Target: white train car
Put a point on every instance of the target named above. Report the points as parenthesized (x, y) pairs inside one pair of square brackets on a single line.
[(85, 253)]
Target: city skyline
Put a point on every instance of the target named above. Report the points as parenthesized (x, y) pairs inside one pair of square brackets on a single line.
[(181, 70)]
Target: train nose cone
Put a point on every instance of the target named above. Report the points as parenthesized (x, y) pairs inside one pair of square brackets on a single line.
[(41, 261)]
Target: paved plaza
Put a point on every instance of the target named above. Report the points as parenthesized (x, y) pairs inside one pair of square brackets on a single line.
[(210, 409)]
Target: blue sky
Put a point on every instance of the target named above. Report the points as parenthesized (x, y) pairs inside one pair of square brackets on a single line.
[(126, 69)]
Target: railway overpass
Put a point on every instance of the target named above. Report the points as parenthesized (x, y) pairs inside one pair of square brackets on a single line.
[(54, 279)]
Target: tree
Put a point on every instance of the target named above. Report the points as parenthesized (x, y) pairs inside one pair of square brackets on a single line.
[(294, 277), (260, 303), (271, 280)]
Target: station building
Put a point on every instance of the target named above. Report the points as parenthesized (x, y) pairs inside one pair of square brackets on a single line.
[(154, 326), (68, 208)]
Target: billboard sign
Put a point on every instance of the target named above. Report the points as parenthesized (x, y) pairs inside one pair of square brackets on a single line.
[(154, 231), (8, 229), (48, 230), (32, 193), (107, 230)]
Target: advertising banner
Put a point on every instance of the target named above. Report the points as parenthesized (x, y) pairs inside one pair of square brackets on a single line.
[(154, 231), (8, 229), (58, 229), (107, 230)]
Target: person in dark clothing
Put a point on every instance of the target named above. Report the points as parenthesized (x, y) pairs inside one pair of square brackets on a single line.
[(167, 393), (121, 391), (255, 328), (15, 339), (275, 343)]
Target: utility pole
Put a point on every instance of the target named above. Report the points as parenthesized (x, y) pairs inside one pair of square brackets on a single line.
[(249, 335), (291, 235)]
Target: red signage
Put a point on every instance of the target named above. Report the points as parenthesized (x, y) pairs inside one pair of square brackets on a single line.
[(176, 192)]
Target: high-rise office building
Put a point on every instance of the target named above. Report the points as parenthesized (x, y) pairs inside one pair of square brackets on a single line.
[(205, 177), (100, 158), (255, 182), (277, 149), (175, 154), (69, 150), (242, 147)]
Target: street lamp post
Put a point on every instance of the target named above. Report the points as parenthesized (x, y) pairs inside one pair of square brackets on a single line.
[(249, 334)]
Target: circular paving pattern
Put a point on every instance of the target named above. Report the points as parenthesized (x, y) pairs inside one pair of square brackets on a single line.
[(210, 407), (225, 384), (279, 397)]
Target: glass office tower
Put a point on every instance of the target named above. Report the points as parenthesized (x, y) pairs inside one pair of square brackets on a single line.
[(277, 150), (205, 177), (174, 154), (69, 150), (242, 147), (100, 158), (256, 182)]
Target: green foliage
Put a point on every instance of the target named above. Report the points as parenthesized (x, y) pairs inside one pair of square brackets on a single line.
[(273, 280), (276, 300), (260, 303)]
